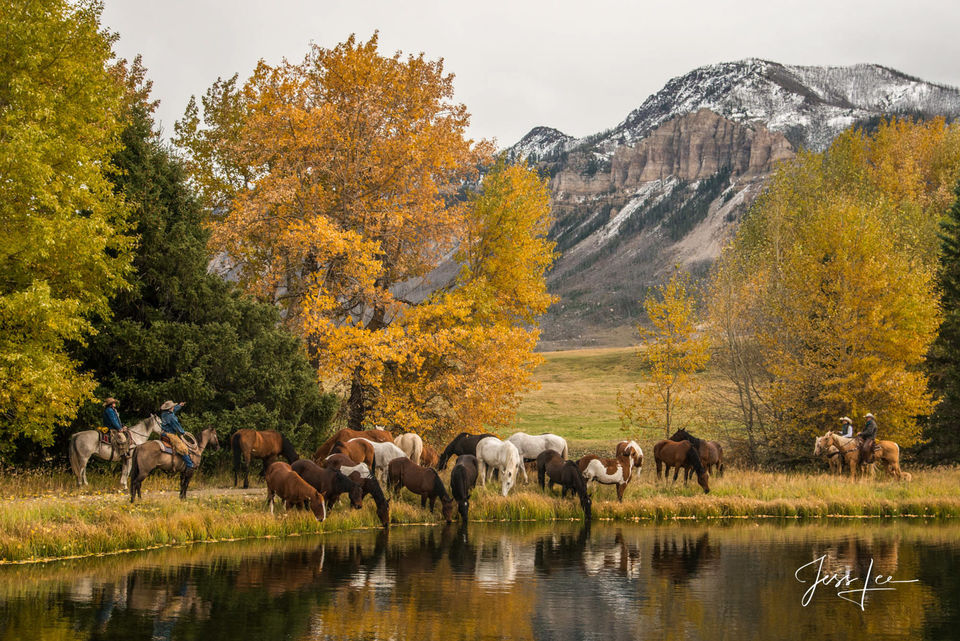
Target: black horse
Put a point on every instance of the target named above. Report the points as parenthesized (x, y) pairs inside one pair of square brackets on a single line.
[(463, 443), (567, 474), (462, 480), (711, 452), (370, 486)]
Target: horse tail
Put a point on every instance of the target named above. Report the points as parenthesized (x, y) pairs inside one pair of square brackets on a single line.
[(289, 451), (134, 479), (237, 454), (74, 456), (565, 449)]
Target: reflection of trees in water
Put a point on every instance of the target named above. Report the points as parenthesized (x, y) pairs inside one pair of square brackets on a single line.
[(679, 558)]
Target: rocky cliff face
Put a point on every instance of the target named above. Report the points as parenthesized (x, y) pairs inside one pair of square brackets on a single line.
[(669, 183)]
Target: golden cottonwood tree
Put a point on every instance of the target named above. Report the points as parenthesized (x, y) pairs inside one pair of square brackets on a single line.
[(673, 350), (337, 182), (62, 248), (834, 267)]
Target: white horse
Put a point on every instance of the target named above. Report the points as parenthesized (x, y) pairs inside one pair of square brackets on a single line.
[(87, 443), (504, 456), (530, 447), (411, 444), (383, 453)]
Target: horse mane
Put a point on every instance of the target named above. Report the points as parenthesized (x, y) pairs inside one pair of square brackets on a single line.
[(579, 482), (372, 487), (693, 458), (438, 487), (289, 452)]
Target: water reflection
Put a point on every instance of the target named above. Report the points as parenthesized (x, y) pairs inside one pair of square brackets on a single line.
[(524, 582)]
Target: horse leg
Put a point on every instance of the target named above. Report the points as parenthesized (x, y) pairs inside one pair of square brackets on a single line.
[(676, 473), (270, 499), (423, 502), (185, 477), (482, 472), (125, 471), (433, 501), (245, 467), (523, 468), (620, 488)]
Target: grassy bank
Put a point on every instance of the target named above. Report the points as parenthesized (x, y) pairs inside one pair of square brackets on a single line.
[(48, 525)]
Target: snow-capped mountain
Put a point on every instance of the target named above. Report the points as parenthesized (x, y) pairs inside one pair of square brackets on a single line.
[(669, 183)]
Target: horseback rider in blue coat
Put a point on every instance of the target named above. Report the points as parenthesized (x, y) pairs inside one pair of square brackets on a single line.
[(119, 437), (171, 428)]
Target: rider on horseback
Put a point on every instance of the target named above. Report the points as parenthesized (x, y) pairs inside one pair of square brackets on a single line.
[(119, 437), (847, 427), (172, 430), (867, 438)]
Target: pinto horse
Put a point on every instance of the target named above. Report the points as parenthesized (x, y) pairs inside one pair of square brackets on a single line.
[(607, 471), (402, 472), (463, 479), (632, 450), (267, 445), (711, 452), (552, 465), (282, 481), (325, 450), (462, 443), (680, 454), (330, 483), (370, 486)]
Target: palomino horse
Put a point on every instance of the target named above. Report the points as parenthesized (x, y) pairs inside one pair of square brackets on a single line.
[(325, 450), (402, 472), (554, 467), (886, 452), (631, 449), (412, 446), (463, 479), (462, 443), (492, 453), (530, 447), (607, 471), (683, 454), (88, 443), (429, 456), (282, 481), (151, 456), (829, 452), (330, 483), (266, 445), (711, 452)]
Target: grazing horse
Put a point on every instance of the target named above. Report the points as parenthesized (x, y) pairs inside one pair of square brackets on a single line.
[(402, 472), (462, 443), (530, 447), (567, 474), (282, 481), (88, 443), (151, 455), (492, 453), (370, 486), (828, 451), (345, 464), (266, 445), (383, 453), (379, 436), (607, 471), (711, 452), (463, 479), (330, 483), (632, 450), (886, 452), (680, 454), (412, 446), (429, 456)]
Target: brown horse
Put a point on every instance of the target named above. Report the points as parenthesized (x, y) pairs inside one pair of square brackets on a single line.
[(266, 445), (402, 472), (680, 455), (429, 456), (711, 452), (553, 468), (370, 486), (150, 456), (325, 450), (282, 481), (330, 483), (359, 451), (607, 471)]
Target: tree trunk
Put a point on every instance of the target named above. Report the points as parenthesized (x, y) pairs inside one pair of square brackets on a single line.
[(356, 405)]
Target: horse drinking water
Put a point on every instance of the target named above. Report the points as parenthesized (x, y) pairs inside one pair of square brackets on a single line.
[(282, 481), (554, 467), (402, 472)]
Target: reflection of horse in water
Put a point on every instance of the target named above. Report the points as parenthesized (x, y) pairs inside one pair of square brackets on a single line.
[(618, 558), (854, 553), (679, 557)]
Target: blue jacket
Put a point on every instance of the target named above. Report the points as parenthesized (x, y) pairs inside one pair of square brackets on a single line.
[(111, 418), (169, 421)]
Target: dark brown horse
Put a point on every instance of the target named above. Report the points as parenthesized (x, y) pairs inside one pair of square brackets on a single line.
[(429, 456), (462, 443), (402, 472), (607, 471), (463, 478), (325, 450), (151, 456), (370, 486), (282, 481), (711, 452), (266, 445), (677, 455), (330, 483), (359, 451), (553, 467)]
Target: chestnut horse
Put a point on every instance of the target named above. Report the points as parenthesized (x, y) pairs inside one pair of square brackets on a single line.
[(330, 483), (402, 472), (282, 481), (552, 465), (607, 471), (378, 436), (463, 479), (680, 454), (359, 450), (429, 456), (462, 443), (267, 445), (370, 486)]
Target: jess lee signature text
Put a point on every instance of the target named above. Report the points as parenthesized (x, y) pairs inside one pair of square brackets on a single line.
[(856, 595)]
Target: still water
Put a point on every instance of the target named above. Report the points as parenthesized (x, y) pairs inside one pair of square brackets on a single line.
[(709, 581)]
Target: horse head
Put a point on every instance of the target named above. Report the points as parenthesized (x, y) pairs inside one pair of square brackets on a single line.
[(446, 508), (208, 438), (680, 435)]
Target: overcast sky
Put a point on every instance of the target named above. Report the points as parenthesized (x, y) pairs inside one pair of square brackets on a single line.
[(579, 66)]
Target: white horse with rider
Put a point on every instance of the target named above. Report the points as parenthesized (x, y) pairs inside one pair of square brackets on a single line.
[(89, 443)]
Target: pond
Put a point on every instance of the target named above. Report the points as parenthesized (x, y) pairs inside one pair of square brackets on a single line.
[(696, 580)]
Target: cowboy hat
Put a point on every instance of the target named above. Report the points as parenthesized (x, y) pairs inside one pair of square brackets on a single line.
[(167, 405), (868, 415), (846, 419), (108, 401)]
